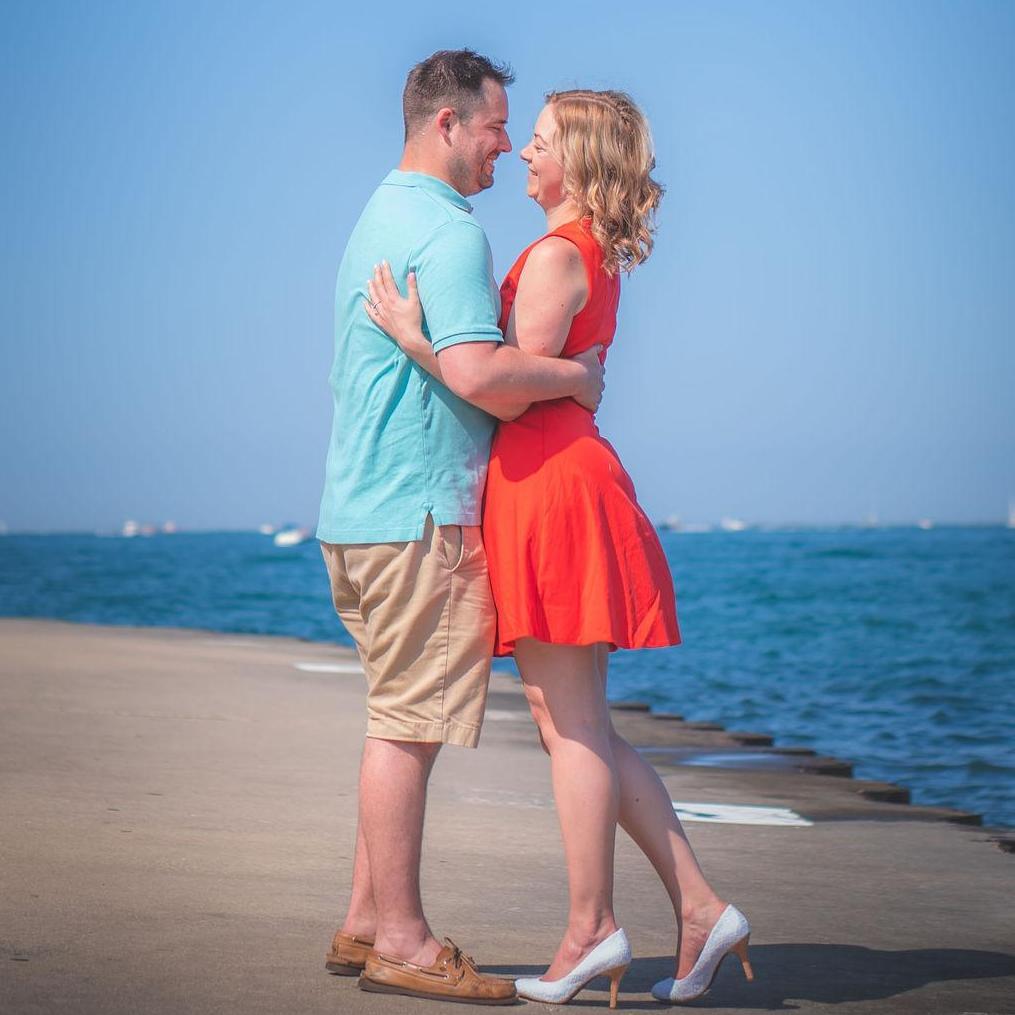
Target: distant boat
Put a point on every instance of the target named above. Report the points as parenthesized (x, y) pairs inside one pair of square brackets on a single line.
[(130, 528), (169, 528), (1011, 514), (292, 536), (266, 529), (732, 525), (925, 524), (671, 524)]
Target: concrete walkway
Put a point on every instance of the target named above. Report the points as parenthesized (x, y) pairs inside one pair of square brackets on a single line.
[(176, 826)]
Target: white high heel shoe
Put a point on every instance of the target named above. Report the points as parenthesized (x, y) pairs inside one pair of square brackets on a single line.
[(729, 936), (610, 957)]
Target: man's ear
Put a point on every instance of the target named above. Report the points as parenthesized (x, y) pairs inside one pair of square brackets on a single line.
[(445, 119)]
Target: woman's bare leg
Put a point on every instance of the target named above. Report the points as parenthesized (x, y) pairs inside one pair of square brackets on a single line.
[(646, 814), (565, 694)]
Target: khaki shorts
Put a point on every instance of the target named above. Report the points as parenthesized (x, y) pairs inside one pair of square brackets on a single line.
[(423, 620)]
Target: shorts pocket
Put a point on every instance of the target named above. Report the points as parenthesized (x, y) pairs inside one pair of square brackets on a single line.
[(452, 546)]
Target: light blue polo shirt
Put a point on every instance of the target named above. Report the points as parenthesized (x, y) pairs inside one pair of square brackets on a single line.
[(402, 445)]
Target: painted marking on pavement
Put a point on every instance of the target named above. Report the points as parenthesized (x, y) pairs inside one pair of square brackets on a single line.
[(505, 715), (738, 814), (349, 667)]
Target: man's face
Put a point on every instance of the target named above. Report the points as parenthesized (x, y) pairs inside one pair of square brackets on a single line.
[(479, 140)]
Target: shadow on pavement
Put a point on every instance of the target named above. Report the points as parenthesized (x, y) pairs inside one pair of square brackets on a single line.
[(789, 973)]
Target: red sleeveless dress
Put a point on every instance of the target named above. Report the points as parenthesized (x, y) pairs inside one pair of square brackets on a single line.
[(573, 559)]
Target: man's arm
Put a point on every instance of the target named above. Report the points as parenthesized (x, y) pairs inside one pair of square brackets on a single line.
[(552, 289), (506, 377), (499, 378)]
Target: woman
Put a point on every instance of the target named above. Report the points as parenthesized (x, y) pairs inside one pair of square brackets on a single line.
[(575, 565)]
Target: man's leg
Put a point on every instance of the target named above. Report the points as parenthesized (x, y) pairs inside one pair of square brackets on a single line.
[(393, 782), (361, 916), (392, 799), (428, 627)]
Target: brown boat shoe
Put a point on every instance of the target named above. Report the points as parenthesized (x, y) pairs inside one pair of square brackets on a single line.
[(348, 954), (452, 977)]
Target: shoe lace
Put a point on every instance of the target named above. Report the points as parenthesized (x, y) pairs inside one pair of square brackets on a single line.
[(458, 957)]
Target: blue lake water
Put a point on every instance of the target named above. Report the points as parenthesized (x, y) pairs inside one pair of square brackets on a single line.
[(894, 648)]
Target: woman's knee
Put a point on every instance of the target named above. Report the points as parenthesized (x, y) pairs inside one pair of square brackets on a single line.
[(540, 712)]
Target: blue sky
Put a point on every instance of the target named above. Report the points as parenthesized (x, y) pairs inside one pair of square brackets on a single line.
[(826, 329)]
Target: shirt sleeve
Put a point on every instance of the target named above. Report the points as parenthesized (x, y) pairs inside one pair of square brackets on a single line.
[(454, 273)]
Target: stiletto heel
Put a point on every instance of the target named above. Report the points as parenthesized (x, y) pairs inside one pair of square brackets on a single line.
[(610, 957), (615, 975), (741, 949), (729, 936)]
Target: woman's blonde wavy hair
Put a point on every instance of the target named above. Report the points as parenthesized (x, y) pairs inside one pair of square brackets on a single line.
[(605, 146)]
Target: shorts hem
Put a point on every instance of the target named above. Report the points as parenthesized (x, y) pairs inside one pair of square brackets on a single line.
[(449, 732)]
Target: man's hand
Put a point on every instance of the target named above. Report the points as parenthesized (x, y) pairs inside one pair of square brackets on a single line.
[(590, 393)]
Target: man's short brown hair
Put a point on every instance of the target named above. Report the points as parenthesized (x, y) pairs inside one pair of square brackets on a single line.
[(451, 77)]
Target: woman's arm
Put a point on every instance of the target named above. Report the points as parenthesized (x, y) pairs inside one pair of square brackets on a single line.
[(552, 290), (503, 379), (553, 287), (402, 320)]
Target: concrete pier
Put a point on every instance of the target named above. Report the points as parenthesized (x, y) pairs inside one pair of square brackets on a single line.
[(177, 812)]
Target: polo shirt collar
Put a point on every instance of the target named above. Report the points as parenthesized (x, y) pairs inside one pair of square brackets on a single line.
[(398, 178)]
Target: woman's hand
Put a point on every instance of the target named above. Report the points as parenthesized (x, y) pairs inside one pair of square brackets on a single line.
[(399, 318)]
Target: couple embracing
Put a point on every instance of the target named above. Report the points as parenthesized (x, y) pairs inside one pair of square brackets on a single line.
[(556, 564)]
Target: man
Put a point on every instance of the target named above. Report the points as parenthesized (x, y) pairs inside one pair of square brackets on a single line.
[(401, 510)]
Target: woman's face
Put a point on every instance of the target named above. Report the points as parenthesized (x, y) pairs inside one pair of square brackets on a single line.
[(546, 174)]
